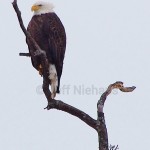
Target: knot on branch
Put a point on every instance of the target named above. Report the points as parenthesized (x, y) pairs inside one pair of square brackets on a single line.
[(51, 104)]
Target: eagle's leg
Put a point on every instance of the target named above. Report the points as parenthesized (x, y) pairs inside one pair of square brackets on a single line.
[(40, 69)]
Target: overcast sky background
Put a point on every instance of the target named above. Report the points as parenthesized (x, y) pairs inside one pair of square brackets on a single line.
[(107, 41)]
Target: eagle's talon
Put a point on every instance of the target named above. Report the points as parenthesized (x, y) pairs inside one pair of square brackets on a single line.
[(40, 73), (40, 69)]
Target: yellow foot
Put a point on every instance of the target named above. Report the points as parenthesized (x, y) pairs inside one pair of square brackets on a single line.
[(40, 69)]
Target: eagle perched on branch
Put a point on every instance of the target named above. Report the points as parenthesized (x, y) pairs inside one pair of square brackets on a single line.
[(48, 31)]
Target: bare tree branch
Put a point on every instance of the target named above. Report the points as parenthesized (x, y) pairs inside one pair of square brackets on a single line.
[(57, 104), (101, 128), (113, 147), (18, 12), (25, 54), (39, 51)]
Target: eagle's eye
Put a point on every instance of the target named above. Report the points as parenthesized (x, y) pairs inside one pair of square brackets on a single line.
[(40, 5)]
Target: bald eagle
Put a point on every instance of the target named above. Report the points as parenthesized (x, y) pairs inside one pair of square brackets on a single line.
[(48, 31)]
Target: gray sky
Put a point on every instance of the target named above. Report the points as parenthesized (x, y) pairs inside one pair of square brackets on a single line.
[(107, 41)]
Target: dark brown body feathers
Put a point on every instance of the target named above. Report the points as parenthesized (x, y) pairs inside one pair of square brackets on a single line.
[(49, 33)]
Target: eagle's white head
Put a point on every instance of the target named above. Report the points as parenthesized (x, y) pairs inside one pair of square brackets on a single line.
[(42, 7)]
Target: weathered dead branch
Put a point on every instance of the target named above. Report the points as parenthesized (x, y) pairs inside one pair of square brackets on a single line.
[(101, 128)]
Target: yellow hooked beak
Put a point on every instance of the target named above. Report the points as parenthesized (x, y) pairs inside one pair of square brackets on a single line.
[(35, 8)]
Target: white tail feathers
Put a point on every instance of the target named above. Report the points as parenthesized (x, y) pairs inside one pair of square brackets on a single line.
[(54, 80)]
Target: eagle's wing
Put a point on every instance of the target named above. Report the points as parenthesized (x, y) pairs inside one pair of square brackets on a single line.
[(57, 43), (33, 28)]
